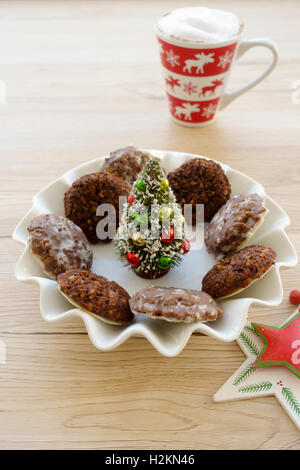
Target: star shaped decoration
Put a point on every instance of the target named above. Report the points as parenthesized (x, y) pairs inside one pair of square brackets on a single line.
[(172, 58), (225, 60), (209, 110), (282, 345), (189, 88), (172, 82), (253, 379)]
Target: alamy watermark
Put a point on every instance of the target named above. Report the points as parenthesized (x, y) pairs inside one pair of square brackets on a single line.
[(2, 353), (296, 93), (152, 223), (2, 92)]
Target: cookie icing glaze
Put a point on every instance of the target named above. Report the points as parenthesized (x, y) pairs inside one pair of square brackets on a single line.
[(58, 244), (234, 224), (175, 304)]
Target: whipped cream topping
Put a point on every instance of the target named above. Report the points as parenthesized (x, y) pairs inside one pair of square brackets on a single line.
[(200, 24)]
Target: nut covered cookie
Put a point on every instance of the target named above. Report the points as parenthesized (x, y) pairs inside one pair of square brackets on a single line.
[(58, 244), (234, 224), (200, 181), (234, 273), (175, 305), (97, 295), (126, 163), (86, 194)]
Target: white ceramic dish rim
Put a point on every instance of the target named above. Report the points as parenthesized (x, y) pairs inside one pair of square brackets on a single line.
[(168, 343)]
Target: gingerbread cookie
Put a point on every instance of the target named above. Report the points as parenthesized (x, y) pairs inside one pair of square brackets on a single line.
[(86, 194), (236, 272), (58, 244), (175, 305), (200, 181), (97, 295), (234, 224), (126, 163)]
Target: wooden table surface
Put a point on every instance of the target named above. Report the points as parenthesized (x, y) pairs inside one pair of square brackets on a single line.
[(83, 78)]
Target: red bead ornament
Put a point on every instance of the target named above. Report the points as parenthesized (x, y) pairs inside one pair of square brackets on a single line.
[(133, 259), (295, 297), (167, 238), (186, 246), (131, 199)]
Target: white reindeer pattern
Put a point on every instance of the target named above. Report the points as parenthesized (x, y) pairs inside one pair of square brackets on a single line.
[(201, 60), (186, 110)]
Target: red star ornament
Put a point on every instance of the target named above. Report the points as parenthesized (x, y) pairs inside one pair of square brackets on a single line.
[(281, 345)]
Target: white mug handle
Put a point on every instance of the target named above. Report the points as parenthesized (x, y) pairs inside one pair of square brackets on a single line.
[(244, 45)]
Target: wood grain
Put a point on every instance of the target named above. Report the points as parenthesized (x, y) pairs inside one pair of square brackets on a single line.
[(82, 79)]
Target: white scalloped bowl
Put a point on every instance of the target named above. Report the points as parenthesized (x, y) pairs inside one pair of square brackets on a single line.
[(168, 338)]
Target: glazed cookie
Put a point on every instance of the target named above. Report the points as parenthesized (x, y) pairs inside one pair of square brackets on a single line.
[(236, 272), (86, 194), (175, 305), (126, 163), (97, 295), (200, 181), (58, 244), (234, 224)]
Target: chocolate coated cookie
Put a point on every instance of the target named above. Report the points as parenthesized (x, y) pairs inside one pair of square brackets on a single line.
[(234, 223), (126, 163), (175, 305), (58, 244), (96, 294), (86, 194), (238, 271), (200, 181)]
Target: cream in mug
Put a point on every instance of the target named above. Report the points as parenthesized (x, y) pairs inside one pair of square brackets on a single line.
[(200, 24)]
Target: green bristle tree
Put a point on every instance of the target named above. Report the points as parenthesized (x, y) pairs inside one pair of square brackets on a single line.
[(151, 236)]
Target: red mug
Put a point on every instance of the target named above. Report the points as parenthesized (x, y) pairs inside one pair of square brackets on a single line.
[(196, 75)]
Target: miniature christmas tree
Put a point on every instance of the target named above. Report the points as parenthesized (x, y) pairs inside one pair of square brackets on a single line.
[(151, 234)]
